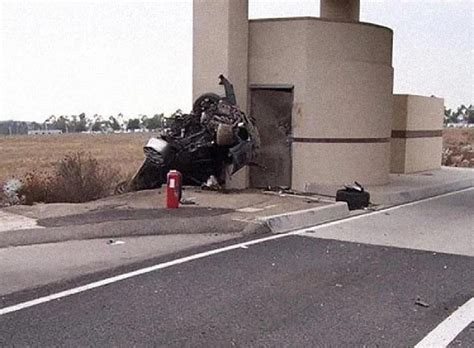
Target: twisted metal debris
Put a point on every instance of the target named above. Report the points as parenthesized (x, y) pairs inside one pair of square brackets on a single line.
[(207, 145)]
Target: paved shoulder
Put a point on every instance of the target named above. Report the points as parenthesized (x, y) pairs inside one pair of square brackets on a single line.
[(292, 291), (441, 224)]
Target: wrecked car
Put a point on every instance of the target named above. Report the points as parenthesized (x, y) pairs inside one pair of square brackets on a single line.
[(207, 146)]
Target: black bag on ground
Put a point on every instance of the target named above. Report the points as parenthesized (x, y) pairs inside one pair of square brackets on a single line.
[(355, 196)]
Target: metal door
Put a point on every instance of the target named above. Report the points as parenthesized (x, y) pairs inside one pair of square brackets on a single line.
[(272, 110)]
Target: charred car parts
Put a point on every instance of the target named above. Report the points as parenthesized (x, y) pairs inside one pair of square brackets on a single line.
[(207, 145)]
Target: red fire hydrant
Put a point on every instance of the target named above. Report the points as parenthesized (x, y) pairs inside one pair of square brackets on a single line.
[(173, 189)]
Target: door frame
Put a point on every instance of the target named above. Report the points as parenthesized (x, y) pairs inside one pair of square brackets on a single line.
[(287, 87), (276, 87)]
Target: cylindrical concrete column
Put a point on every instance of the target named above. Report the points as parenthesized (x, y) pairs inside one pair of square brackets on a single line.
[(343, 97), (345, 10)]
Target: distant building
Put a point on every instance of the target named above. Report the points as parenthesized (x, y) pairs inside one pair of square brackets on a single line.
[(45, 132)]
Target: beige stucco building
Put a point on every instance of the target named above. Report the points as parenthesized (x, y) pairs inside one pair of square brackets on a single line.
[(321, 90), (417, 137)]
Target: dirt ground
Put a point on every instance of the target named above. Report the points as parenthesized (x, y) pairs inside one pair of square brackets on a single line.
[(22, 154), (458, 147)]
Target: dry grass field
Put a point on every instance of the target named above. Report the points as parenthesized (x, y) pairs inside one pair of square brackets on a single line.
[(22, 154), (458, 136), (124, 152), (458, 147)]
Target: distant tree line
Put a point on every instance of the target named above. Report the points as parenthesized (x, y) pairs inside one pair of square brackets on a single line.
[(463, 115), (96, 123), (14, 127)]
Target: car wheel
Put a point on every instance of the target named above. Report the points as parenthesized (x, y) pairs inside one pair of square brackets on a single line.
[(204, 102)]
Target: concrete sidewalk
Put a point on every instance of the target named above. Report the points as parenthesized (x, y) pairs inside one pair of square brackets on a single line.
[(404, 188), (144, 213), (245, 212)]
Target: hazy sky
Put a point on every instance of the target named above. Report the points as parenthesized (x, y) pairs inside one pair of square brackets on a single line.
[(135, 57)]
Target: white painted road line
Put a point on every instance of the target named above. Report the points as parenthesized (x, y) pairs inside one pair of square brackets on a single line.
[(128, 275), (381, 211), (452, 326), (138, 272)]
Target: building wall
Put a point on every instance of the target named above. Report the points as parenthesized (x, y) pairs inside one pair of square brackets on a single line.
[(340, 9), (417, 133), (331, 160), (220, 46), (210, 57), (343, 82), (45, 132)]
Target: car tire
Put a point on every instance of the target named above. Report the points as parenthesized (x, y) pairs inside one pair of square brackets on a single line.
[(204, 102), (355, 199)]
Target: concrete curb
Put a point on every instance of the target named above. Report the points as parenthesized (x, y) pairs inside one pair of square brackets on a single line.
[(10, 221), (130, 228), (397, 198), (198, 225), (305, 218), (270, 224)]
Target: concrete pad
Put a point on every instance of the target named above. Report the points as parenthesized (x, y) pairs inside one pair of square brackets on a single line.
[(444, 225), (247, 201), (175, 225), (28, 267), (144, 213), (9, 221), (404, 188)]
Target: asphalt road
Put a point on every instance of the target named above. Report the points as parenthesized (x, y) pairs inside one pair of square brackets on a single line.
[(293, 291)]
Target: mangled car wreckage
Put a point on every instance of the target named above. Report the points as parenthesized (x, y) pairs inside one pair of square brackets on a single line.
[(207, 145)]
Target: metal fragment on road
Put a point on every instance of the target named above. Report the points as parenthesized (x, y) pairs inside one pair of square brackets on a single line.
[(188, 201), (421, 303), (115, 242)]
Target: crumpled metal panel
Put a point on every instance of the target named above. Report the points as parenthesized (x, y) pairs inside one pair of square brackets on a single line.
[(216, 138)]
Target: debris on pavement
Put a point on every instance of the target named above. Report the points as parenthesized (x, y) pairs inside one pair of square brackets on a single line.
[(211, 184), (115, 242), (207, 146), (188, 201), (421, 303), (281, 190), (312, 201), (286, 192)]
